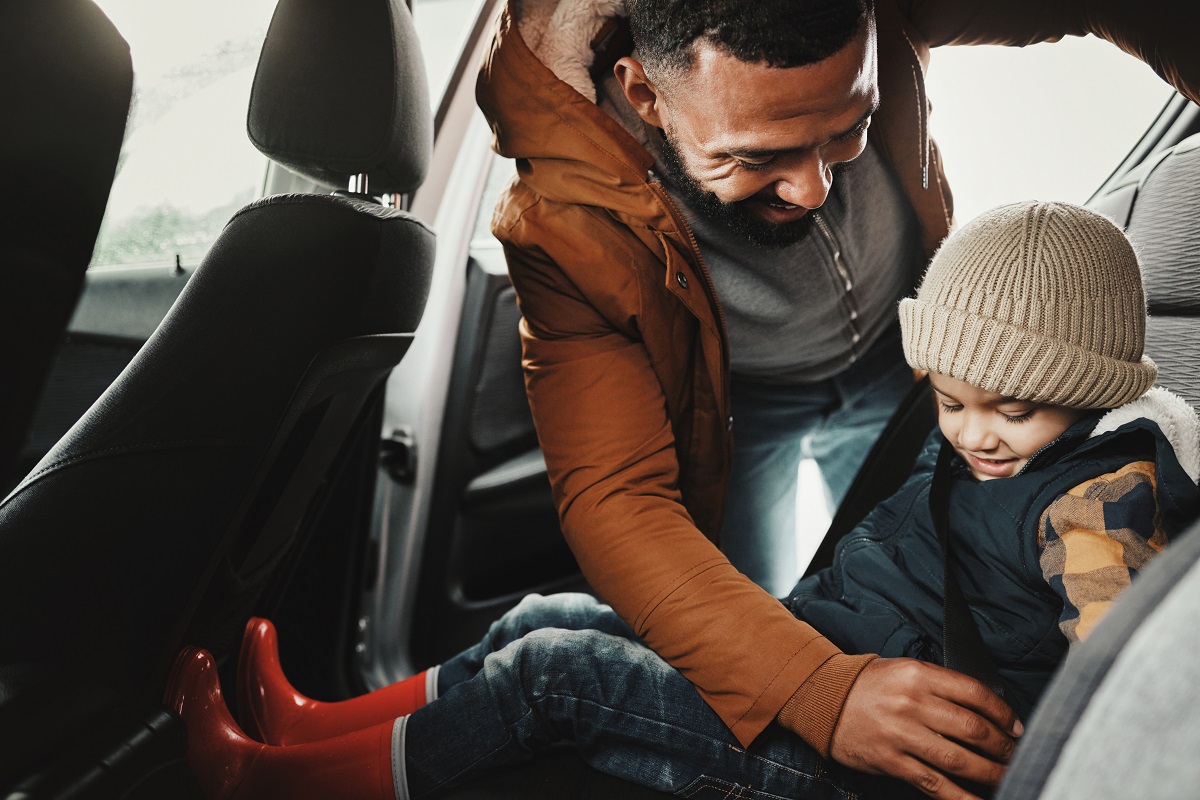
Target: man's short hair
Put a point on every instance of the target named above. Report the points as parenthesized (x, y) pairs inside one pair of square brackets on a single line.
[(780, 33)]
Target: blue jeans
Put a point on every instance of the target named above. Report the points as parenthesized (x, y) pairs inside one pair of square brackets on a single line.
[(565, 668), (835, 422)]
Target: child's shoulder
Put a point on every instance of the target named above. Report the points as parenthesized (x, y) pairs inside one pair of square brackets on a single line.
[(1174, 418)]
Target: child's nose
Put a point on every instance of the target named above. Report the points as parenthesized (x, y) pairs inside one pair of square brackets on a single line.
[(976, 434)]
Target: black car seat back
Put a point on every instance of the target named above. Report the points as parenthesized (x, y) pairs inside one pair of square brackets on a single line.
[(67, 84), (166, 511)]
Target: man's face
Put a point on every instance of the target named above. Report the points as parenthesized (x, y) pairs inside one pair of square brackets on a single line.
[(754, 146)]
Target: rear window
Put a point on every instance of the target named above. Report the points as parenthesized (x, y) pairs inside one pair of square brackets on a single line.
[(186, 165), (1049, 121)]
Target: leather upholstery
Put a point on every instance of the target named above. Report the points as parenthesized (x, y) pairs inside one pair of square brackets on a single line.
[(66, 86), (171, 506)]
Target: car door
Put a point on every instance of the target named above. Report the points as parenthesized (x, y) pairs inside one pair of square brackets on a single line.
[(465, 525)]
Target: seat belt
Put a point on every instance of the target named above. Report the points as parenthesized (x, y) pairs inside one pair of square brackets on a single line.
[(962, 646), (884, 470)]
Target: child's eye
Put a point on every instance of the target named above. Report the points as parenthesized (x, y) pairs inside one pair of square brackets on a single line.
[(949, 409), (1020, 417)]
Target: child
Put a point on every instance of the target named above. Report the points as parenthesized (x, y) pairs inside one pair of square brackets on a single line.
[(1031, 322)]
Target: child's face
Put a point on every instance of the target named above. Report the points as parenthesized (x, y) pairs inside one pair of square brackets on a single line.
[(995, 435)]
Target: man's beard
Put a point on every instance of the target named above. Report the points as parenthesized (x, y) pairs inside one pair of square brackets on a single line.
[(735, 216)]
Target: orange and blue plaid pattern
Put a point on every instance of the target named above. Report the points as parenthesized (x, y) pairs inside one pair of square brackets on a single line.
[(1095, 538)]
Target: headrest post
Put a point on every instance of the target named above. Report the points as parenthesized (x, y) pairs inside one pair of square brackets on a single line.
[(358, 184)]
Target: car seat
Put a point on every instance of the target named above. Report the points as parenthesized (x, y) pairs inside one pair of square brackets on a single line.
[(173, 505), (67, 84)]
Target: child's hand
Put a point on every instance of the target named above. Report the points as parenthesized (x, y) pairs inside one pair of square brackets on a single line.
[(922, 724)]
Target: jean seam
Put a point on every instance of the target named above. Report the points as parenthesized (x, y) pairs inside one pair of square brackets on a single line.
[(507, 740), (736, 791), (706, 738), (625, 712)]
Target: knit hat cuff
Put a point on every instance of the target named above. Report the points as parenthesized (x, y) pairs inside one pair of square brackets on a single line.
[(1015, 362)]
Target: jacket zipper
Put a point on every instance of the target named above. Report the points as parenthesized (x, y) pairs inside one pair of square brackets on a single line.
[(1044, 448), (842, 274)]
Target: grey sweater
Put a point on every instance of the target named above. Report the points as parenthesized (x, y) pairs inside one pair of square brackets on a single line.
[(804, 313)]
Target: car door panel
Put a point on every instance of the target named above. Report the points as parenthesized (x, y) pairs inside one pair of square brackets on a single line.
[(492, 496)]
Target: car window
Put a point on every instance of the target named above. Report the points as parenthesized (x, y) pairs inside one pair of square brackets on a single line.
[(442, 27), (187, 165), (1048, 121)]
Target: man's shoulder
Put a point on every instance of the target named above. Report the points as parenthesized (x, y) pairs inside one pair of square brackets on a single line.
[(572, 232)]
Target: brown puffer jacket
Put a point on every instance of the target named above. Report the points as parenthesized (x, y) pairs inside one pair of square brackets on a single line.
[(625, 351)]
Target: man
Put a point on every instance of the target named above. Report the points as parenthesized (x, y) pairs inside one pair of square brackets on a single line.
[(808, 297), (689, 315)]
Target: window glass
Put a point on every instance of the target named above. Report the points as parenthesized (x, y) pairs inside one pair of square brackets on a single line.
[(186, 165), (442, 27), (1049, 121)]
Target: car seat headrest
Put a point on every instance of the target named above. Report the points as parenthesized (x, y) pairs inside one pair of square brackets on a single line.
[(341, 91), (1163, 227)]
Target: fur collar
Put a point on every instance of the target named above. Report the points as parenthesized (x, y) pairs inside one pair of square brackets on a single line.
[(1175, 418), (560, 33)]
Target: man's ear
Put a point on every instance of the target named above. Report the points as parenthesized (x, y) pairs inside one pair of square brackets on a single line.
[(643, 96)]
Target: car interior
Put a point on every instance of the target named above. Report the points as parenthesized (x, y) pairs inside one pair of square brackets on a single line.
[(324, 421)]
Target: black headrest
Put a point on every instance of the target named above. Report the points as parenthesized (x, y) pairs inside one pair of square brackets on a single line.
[(65, 94), (341, 91)]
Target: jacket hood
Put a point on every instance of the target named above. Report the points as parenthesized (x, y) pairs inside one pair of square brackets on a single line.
[(1174, 417), (561, 33), (536, 89)]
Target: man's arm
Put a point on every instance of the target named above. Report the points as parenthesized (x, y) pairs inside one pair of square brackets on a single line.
[(1159, 32), (1095, 538), (605, 432)]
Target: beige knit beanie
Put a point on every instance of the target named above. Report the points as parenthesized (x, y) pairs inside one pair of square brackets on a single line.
[(1038, 301)]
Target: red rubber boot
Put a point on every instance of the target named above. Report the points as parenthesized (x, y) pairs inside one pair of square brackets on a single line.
[(227, 764), (274, 712)]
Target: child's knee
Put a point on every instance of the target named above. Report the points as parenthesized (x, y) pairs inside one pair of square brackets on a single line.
[(567, 610)]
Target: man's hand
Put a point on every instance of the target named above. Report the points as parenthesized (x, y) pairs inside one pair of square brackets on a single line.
[(922, 724)]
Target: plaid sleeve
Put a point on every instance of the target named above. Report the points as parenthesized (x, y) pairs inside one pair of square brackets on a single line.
[(1095, 538)]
